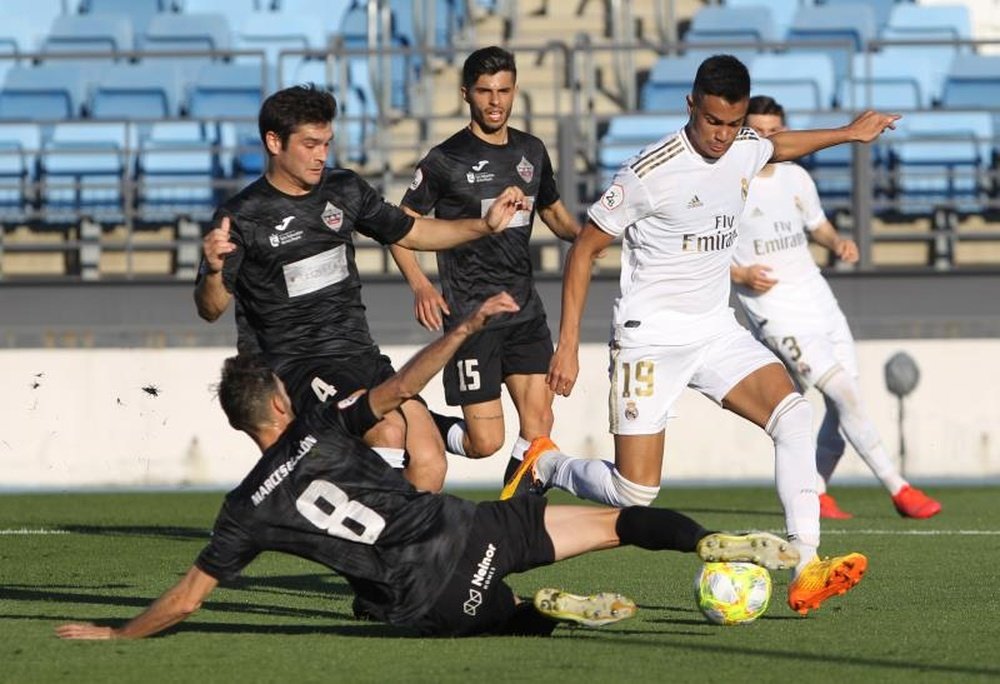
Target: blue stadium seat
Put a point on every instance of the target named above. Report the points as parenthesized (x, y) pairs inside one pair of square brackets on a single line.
[(669, 84), (328, 13), (881, 9), (19, 147), (34, 16), (174, 32), (354, 32), (915, 21), (273, 33), (799, 80), (19, 34), (853, 25), (627, 134), (105, 34), (889, 80), (715, 23), (782, 12), (138, 11), (973, 81), (47, 92), (226, 91), (81, 169), (941, 157), (152, 89), (176, 173), (232, 9), (831, 168)]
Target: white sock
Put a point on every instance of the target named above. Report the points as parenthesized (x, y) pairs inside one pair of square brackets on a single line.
[(456, 439), (860, 431), (790, 426), (520, 446), (394, 457)]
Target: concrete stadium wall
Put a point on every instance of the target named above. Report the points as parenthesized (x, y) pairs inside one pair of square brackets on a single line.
[(140, 418)]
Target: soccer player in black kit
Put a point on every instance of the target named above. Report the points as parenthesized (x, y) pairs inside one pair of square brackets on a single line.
[(460, 178), (283, 248), (432, 562)]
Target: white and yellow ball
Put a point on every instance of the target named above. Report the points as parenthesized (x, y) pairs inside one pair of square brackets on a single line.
[(732, 593)]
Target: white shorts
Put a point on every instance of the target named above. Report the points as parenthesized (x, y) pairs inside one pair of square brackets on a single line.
[(811, 356), (646, 381)]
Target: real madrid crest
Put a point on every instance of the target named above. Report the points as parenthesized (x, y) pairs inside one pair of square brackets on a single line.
[(631, 411), (744, 188), (333, 217), (526, 170)]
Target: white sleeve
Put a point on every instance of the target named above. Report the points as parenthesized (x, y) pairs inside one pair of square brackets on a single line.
[(624, 202), (765, 150), (807, 199)]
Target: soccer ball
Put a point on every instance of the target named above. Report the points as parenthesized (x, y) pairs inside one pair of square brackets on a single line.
[(732, 593)]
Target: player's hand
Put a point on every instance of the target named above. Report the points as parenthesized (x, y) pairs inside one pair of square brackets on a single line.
[(507, 203), (870, 125), (564, 368), (84, 630), (846, 250), (758, 278), (497, 304), (216, 245), (428, 304)]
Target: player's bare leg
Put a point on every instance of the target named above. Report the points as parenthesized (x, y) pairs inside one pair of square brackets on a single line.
[(532, 398), (484, 428), (426, 466)]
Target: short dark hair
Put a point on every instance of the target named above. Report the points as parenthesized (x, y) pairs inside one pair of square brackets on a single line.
[(245, 389), (285, 110), (763, 104), (723, 76), (487, 60)]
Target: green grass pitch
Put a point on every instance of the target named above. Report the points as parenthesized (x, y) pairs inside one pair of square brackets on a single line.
[(928, 609)]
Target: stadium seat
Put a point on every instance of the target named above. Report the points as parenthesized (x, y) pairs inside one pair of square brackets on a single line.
[(48, 92), (173, 32), (889, 80), (105, 34), (831, 168), (669, 84), (226, 91), (973, 81), (941, 157), (915, 21), (138, 11), (881, 9), (853, 25), (81, 169), (739, 25), (798, 80), (19, 146), (354, 33), (152, 89), (176, 172), (34, 17), (782, 12), (273, 34), (19, 34)]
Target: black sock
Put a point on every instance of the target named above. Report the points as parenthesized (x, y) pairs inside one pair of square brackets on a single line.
[(444, 424), (526, 621), (658, 529)]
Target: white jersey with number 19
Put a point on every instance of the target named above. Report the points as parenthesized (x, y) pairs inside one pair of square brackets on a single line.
[(678, 214)]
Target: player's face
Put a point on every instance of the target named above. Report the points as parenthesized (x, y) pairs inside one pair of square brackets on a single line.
[(490, 100), (297, 166), (766, 125), (714, 123)]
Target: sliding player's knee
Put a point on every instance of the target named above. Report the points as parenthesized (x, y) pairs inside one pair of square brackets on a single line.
[(482, 444), (791, 419), (625, 493), (388, 432)]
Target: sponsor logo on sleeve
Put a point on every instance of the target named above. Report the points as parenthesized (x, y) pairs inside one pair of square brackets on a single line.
[(744, 188), (613, 197), (418, 178)]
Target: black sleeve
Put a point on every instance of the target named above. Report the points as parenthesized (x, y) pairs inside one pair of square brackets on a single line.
[(230, 550), (379, 220), (548, 192), (356, 415), (424, 191)]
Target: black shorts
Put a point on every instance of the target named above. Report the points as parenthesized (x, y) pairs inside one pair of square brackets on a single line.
[(480, 365), (316, 379), (506, 536)]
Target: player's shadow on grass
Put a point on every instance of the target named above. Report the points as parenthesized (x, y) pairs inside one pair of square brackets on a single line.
[(152, 531)]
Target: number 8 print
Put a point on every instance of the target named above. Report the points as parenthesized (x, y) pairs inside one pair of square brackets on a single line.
[(350, 520)]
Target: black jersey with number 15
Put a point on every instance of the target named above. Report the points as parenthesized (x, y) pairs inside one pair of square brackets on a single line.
[(320, 493), (293, 272), (460, 178)]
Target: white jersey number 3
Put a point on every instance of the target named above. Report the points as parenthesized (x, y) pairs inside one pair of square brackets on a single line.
[(339, 516)]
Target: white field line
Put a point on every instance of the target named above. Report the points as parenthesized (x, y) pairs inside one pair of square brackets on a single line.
[(28, 531), (910, 533)]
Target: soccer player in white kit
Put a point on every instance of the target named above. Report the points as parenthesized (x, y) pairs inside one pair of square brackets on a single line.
[(677, 206), (792, 310)]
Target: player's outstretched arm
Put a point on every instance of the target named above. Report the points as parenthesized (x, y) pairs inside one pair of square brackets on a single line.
[(173, 606), (210, 294), (864, 129), (565, 365), (562, 224), (430, 234), (418, 371)]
